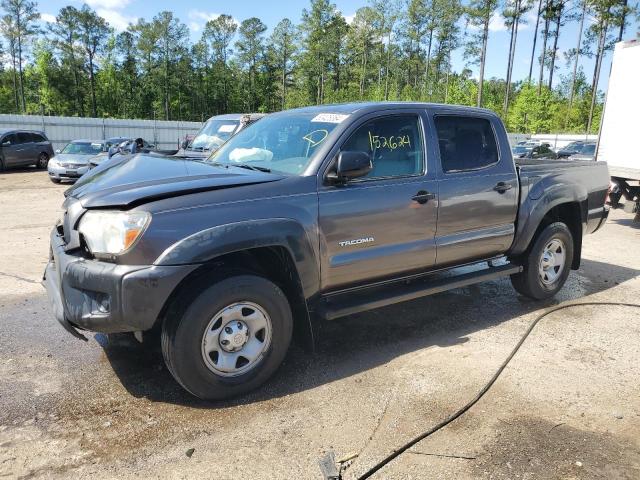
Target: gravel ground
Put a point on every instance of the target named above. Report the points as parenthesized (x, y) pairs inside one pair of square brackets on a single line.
[(568, 406)]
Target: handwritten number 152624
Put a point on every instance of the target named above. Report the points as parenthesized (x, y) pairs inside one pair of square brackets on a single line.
[(392, 142)]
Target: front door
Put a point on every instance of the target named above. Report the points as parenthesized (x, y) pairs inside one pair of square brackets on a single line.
[(11, 150), (478, 189), (384, 224)]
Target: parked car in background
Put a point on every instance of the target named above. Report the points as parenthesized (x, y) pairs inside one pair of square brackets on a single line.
[(586, 152), (571, 149), (72, 161), (22, 148), (520, 150), (215, 132), (540, 151), (117, 145)]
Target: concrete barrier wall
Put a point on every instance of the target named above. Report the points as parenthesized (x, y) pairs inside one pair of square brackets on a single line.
[(61, 130), (168, 134)]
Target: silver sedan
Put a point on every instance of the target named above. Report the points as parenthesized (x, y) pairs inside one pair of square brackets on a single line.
[(73, 160)]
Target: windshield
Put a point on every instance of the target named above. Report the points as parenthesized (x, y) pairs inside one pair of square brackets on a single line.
[(282, 143), (588, 149), (213, 134), (83, 148)]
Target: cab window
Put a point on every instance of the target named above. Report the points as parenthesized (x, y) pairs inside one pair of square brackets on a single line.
[(466, 143), (394, 143)]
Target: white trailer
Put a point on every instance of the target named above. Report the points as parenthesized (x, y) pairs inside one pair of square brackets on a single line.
[(618, 141)]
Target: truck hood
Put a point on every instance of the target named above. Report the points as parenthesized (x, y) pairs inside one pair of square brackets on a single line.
[(136, 179)]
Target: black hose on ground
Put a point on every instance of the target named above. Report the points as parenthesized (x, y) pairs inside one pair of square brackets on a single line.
[(396, 453)]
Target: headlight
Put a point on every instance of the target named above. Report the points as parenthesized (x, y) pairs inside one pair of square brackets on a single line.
[(112, 233)]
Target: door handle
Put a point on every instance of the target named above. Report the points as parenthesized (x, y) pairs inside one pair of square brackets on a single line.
[(423, 197), (502, 187)]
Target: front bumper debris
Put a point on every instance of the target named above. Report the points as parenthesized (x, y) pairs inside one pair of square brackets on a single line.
[(87, 294)]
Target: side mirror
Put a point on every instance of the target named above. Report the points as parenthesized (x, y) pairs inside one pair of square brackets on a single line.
[(184, 144), (112, 151), (351, 165), (57, 150)]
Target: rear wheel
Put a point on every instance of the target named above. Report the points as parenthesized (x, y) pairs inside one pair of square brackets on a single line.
[(43, 160), (548, 263), (228, 340)]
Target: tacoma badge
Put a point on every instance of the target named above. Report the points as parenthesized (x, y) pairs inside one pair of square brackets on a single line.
[(356, 241)]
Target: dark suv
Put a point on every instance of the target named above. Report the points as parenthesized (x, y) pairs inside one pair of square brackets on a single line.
[(21, 148)]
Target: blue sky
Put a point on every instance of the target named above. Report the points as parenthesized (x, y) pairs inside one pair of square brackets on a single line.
[(195, 13)]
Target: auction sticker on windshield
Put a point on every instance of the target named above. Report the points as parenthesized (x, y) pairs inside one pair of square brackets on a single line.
[(329, 117)]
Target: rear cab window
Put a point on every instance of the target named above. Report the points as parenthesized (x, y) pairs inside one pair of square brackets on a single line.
[(394, 144), (465, 142)]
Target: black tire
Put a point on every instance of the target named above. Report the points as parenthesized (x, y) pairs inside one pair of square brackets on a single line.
[(56, 180), (43, 161), (2, 167), (530, 282), (184, 328)]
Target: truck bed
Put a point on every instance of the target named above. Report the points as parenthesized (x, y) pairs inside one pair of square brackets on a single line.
[(549, 163)]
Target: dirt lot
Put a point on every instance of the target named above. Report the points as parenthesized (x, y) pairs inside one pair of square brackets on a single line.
[(568, 406)]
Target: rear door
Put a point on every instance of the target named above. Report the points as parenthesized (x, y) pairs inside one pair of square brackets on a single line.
[(478, 189), (26, 155), (381, 225)]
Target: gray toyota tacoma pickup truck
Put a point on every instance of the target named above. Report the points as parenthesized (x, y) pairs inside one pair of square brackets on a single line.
[(304, 217)]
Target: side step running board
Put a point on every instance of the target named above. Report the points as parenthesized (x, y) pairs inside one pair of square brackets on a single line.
[(336, 307)]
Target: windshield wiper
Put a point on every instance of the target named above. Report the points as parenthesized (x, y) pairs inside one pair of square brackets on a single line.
[(252, 167)]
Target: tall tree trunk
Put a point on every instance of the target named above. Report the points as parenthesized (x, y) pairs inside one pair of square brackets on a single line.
[(535, 39), (23, 101), (363, 73), (623, 19), (574, 73), (94, 107), (483, 57), (284, 77), (76, 81), (596, 72), (512, 47), (426, 68), (543, 55), (15, 79), (555, 45), (386, 75)]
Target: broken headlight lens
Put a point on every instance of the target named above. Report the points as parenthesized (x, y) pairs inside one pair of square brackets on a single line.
[(112, 233)]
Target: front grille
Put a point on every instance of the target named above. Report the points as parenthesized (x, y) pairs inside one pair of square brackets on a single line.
[(69, 165)]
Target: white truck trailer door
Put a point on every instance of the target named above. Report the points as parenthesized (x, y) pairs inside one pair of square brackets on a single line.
[(618, 143)]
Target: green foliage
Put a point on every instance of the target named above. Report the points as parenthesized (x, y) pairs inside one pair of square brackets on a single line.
[(391, 50)]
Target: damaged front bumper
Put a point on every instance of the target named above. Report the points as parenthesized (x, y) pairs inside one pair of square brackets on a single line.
[(87, 294)]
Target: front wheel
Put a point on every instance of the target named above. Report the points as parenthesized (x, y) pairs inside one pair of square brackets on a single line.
[(230, 339), (548, 263)]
